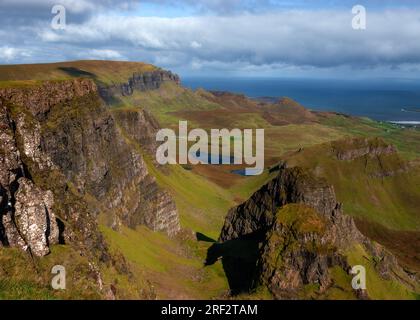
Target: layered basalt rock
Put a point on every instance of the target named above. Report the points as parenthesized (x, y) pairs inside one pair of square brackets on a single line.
[(380, 158), (355, 148), (140, 126), (158, 210), (64, 157), (138, 82)]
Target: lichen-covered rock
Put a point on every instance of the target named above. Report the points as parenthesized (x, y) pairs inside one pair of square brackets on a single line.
[(34, 217), (30, 133), (10, 170), (9, 153), (11, 236), (64, 160), (299, 249), (26, 216)]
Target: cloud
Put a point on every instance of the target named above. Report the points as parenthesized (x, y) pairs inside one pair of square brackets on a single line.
[(105, 54), (30, 12), (224, 7), (10, 54), (312, 38), (71, 5)]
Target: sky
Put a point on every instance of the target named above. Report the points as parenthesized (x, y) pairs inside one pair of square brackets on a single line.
[(255, 38)]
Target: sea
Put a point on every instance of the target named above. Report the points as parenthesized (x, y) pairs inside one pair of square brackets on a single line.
[(391, 100)]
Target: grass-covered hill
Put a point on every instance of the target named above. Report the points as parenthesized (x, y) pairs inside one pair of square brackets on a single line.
[(376, 186), (106, 72)]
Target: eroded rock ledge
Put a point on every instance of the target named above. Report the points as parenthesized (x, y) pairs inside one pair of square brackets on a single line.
[(351, 149), (39, 99), (138, 82)]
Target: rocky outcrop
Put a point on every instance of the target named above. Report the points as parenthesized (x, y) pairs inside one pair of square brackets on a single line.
[(27, 219), (292, 185), (64, 157), (302, 233), (138, 82), (34, 217), (299, 249), (379, 158), (351, 149)]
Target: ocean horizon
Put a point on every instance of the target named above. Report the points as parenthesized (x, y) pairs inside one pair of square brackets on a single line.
[(392, 100)]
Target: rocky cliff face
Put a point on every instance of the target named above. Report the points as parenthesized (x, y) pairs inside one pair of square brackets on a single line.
[(27, 218), (63, 161), (140, 126), (38, 99), (359, 147), (302, 234), (139, 81), (380, 159)]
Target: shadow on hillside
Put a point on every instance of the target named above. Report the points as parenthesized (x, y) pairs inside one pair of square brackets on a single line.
[(75, 72), (107, 95), (202, 237), (239, 259)]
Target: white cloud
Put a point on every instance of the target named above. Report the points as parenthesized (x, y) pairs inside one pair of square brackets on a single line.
[(196, 45), (9, 54), (105, 54)]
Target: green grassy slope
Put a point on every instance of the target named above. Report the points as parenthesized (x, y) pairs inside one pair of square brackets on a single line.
[(165, 102), (24, 278), (106, 72), (407, 140), (377, 287), (169, 266), (392, 201)]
